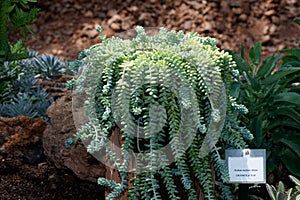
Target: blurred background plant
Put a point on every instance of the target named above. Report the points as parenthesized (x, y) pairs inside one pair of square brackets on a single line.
[(19, 13)]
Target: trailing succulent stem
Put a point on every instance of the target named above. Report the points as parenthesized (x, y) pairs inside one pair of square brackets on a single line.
[(169, 94)]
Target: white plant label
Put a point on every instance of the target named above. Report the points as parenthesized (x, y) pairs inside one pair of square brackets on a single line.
[(244, 166)]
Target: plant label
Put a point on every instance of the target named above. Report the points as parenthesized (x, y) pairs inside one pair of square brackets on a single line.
[(246, 166)]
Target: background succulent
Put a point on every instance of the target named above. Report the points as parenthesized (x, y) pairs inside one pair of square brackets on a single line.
[(48, 66)]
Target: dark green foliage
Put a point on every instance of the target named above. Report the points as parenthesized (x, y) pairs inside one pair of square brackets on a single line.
[(20, 13), (270, 91), (8, 73)]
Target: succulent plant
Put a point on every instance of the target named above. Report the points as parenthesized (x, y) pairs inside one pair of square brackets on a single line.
[(175, 88), (48, 66)]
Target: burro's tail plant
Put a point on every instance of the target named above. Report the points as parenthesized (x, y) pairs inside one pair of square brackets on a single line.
[(169, 96)]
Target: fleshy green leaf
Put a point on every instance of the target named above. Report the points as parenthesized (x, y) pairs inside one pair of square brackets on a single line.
[(288, 97), (297, 20), (289, 112), (242, 63), (294, 52), (295, 180), (267, 66), (10, 8), (272, 191), (257, 130), (279, 74), (281, 187), (293, 144), (255, 53), (291, 160)]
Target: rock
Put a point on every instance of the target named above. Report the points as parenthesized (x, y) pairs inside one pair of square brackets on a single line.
[(187, 25), (195, 4), (272, 29), (60, 129), (115, 26), (89, 14), (127, 23), (133, 9), (275, 19), (92, 33), (56, 88), (265, 30), (78, 6), (265, 39), (207, 26), (270, 12), (237, 11), (243, 17), (113, 19)]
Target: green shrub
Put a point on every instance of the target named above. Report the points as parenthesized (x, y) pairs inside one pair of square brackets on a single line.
[(172, 88), (270, 91), (20, 13)]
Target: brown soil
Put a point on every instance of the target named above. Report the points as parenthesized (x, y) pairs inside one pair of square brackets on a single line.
[(65, 27)]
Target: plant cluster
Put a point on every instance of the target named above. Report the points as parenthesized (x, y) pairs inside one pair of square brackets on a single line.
[(174, 89), (19, 93), (271, 91)]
